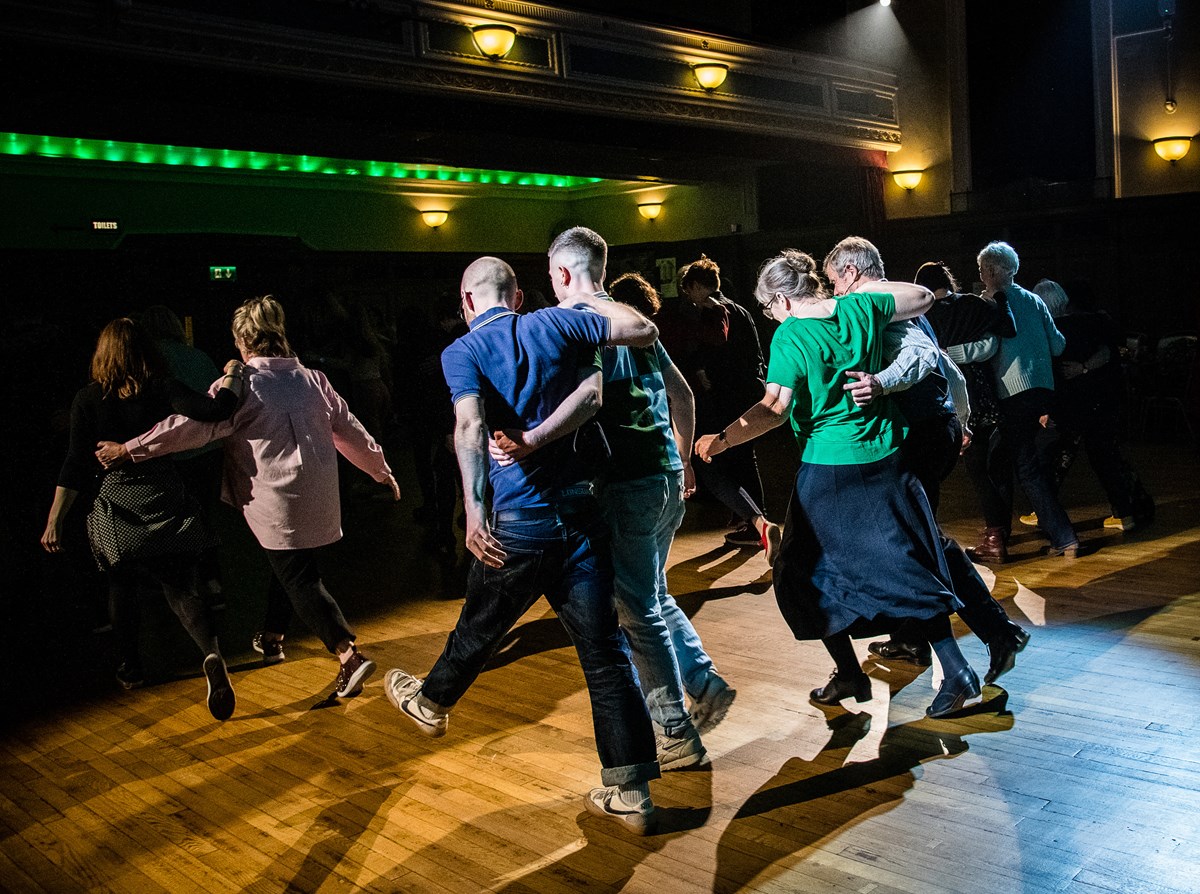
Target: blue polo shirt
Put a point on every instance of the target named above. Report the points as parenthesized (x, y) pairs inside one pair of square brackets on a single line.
[(523, 366)]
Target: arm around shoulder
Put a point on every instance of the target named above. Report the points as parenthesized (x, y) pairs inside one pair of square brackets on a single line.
[(974, 351), (626, 326), (911, 300)]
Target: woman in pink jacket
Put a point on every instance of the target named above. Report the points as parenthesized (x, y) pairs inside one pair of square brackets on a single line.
[(281, 451)]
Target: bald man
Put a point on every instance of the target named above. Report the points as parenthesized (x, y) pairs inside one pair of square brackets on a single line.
[(545, 534)]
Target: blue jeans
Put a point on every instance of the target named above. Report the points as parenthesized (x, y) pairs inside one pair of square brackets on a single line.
[(643, 516), (564, 554)]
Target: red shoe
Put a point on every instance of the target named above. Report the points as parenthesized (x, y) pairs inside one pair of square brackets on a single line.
[(770, 538)]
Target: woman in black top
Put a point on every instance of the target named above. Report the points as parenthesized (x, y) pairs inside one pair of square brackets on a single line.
[(142, 519)]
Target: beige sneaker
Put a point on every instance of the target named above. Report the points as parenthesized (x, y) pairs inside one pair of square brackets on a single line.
[(404, 692), (607, 802), (679, 754)]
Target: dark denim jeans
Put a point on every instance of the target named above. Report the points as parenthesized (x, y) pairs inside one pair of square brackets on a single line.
[(1019, 428), (563, 554)]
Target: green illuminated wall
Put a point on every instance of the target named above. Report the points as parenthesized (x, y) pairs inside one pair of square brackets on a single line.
[(55, 187), (118, 152)]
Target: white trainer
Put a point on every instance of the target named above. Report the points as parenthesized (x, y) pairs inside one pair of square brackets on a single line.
[(607, 802), (404, 691)]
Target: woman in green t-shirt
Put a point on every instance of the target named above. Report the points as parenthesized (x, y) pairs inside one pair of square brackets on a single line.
[(860, 547)]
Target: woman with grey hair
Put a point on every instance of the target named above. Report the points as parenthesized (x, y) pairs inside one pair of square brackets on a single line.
[(860, 549), (1025, 386), (1088, 384)]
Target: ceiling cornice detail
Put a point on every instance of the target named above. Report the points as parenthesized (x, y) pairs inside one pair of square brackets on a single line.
[(564, 60)]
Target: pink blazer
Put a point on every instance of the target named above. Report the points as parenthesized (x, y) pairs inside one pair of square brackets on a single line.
[(280, 452)]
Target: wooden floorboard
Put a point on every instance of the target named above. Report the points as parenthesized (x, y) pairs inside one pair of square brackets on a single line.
[(1080, 774)]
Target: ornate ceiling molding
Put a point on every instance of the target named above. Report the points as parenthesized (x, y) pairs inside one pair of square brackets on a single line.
[(563, 60)]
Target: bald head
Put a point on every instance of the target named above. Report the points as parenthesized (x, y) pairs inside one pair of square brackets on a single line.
[(489, 276), (486, 283)]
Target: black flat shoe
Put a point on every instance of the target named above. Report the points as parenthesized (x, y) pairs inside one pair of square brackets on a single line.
[(957, 692), (1003, 653), (839, 688), (897, 650)]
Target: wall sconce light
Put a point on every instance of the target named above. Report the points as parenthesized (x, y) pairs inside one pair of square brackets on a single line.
[(1172, 148), (907, 179), (494, 41), (434, 219), (650, 210), (710, 75)]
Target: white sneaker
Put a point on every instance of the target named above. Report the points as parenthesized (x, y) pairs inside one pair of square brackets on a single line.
[(607, 802), (678, 754), (710, 707), (404, 691)]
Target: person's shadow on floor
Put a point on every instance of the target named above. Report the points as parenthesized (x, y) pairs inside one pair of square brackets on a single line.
[(808, 801)]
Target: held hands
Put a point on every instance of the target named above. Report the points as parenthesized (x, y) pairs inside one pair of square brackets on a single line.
[(689, 478), (508, 446), (864, 389), (111, 454), (708, 446)]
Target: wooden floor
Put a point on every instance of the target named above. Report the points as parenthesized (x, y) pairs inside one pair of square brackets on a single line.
[(1081, 774)]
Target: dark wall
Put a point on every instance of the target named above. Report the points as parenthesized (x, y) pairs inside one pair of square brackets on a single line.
[(1029, 64), (1130, 250)]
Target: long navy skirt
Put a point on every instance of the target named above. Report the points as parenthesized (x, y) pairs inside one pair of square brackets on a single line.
[(860, 552)]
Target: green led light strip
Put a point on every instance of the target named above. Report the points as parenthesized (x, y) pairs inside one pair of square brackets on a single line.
[(117, 152)]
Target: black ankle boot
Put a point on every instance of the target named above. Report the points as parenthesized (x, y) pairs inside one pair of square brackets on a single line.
[(840, 687)]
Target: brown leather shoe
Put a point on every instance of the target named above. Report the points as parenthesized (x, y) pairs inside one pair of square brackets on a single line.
[(992, 548)]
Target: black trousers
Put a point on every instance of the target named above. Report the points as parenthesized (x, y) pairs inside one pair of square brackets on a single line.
[(176, 574), (296, 588), (930, 452)]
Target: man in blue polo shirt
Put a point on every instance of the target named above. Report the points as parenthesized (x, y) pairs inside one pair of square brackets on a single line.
[(641, 493), (545, 534)]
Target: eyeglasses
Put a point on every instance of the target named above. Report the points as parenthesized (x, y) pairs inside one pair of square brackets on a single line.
[(768, 305)]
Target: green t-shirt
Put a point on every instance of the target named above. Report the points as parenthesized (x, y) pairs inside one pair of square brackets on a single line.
[(812, 358)]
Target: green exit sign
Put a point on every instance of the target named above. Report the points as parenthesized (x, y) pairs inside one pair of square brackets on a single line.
[(222, 274)]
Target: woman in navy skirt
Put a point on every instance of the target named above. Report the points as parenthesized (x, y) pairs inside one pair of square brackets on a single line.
[(860, 548)]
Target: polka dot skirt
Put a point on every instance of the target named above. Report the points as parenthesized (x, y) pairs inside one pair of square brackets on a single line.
[(143, 510)]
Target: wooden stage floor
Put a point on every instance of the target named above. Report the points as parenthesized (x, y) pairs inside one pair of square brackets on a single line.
[(1080, 774)]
